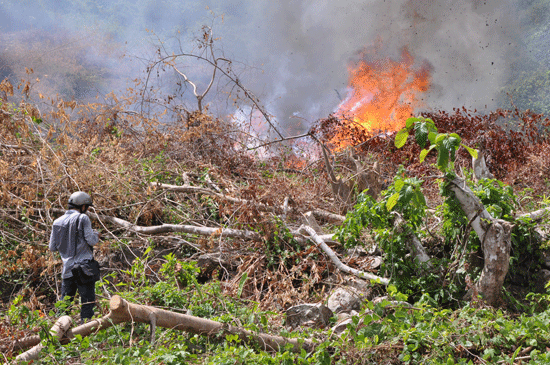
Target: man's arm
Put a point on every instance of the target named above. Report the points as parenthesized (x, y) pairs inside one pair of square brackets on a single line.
[(53, 241), (90, 236)]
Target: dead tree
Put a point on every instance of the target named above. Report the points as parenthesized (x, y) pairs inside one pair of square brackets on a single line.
[(495, 237), (342, 189), (220, 66)]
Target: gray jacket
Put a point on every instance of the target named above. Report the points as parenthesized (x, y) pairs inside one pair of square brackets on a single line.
[(62, 239)]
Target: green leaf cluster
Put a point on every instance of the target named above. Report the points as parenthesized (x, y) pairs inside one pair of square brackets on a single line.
[(446, 144)]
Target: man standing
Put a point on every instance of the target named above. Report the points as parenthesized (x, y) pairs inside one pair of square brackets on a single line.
[(73, 236)]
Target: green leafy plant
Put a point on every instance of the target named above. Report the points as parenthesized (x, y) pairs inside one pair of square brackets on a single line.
[(446, 144), (403, 198)]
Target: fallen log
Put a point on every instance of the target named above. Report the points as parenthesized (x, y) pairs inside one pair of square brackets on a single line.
[(58, 330), (203, 231), (331, 217), (182, 228), (124, 311), (82, 330), (339, 264), (168, 228), (127, 311), (537, 215)]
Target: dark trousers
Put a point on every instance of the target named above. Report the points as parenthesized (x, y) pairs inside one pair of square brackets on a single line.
[(87, 295)]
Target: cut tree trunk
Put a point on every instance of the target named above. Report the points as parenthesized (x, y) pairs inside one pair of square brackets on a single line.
[(58, 330), (82, 330), (495, 237)]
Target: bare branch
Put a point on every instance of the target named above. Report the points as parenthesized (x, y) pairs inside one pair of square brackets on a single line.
[(186, 79), (58, 330), (339, 264), (537, 215), (279, 141), (249, 95)]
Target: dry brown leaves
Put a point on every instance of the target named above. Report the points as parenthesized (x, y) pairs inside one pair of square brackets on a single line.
[(515, 143), (113, 155)]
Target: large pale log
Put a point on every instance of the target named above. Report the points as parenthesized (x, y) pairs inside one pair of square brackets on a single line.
[(167, 228), (124, 311), (537, 215), (127, 311), (495, 236), (339, 264), (204, 231), (182, 228), (332, 217), (58, 329)]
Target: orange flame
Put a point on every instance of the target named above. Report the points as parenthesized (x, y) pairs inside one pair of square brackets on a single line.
[(384, 92)]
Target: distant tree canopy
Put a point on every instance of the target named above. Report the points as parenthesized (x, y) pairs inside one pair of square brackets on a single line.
[(528, 85)]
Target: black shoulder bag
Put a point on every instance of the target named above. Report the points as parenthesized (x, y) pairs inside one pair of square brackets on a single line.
[(86, 271)]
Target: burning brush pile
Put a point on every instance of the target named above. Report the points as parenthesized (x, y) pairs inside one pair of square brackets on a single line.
[(384, 92)]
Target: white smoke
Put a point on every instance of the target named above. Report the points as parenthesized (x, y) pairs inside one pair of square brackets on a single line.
[(297, 52)]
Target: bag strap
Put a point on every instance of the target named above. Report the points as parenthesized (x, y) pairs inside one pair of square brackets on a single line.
[(76, 233)]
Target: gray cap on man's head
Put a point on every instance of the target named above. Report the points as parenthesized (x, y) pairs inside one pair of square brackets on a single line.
[(80, 198)]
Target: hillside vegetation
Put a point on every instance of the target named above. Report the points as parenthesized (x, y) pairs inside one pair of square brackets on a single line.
[(193, 221)]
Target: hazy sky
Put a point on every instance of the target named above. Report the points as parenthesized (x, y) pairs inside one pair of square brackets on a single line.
[(297, 52)]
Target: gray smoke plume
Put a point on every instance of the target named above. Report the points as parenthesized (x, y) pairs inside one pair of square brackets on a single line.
[(469, 44), (297, 52)]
